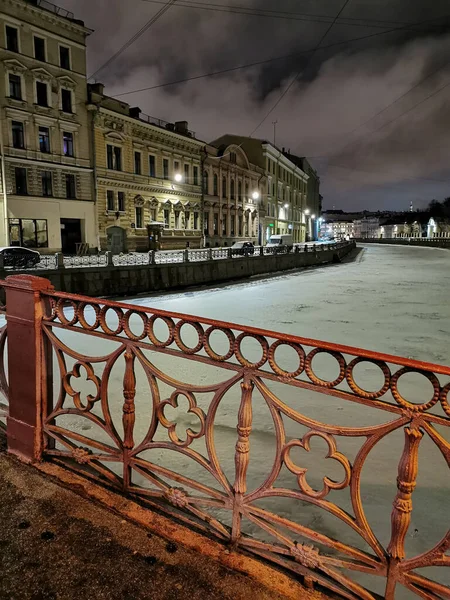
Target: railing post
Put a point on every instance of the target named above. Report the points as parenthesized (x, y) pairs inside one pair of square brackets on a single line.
[(186, 255), (151, 257), (261, 250), (29, 365), (229, 253), (401, 513), (59, 259), (242, 454), (109, 259)]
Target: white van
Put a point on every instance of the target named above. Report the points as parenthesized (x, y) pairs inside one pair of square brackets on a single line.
[(281, 240)]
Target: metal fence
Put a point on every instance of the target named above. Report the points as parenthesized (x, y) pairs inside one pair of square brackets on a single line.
[(141, 400), (59, 261)]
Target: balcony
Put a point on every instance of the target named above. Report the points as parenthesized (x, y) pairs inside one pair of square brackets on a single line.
[(57, 10)]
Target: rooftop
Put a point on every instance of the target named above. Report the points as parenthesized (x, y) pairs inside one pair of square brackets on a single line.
[(57, 10)]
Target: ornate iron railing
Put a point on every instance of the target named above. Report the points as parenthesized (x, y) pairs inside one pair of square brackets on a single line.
[(4, 393), (268, 495), (58, 261)]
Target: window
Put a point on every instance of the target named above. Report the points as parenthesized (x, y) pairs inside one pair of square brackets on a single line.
[(176, 166), (177, 219), (166, 218), (216, 224), (15, 87), (195, 175), (216, 186), (224, 226), (196, 220), (39, 48), (205, 181), (232, 189), (224, 187), (186, 173), (139, 217), (121, 201), (66, 100), (68, 143), (233, 157), (71, 191), (233, 219), (166, 168), (64, 57), (44, 139), (246, 191), (205, 223), (17, 135), (152, 166), (187, 220), (114, 157), (12, 39), (41, 93), (110, 204), (47, 187), (240, 225), (137, 163), (20, 174), (240, 190), (29, 233)]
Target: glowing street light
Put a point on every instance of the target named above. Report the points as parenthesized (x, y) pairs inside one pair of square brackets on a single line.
[(255, 195), (178, 177), (306, 211), (313, 216)]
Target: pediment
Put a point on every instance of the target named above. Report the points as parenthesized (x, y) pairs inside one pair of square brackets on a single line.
[(66, 81), (41, 73), (14, 65)]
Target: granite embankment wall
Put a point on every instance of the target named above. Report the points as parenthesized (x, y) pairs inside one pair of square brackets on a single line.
[(137, 279)]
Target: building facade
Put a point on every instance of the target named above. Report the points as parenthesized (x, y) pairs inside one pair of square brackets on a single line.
[(338, 230), (282, 205), (148, 177), (232, 189), (46, 176)]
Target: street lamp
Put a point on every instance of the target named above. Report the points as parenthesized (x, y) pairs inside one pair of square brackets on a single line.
[(178, 177), (306, 211), (255, 195), (313, 216), (286, 206)]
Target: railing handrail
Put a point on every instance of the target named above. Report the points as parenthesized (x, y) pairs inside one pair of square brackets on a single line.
[(285, 337)]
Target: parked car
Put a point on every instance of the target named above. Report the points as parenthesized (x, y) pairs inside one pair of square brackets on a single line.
[(16, 257), (242, 248)]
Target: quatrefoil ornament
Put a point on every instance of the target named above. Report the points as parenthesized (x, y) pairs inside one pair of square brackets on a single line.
[(328, 484), (90, 376), (171, 425)]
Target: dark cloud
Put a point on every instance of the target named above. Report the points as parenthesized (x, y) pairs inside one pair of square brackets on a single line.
[(340, 88)]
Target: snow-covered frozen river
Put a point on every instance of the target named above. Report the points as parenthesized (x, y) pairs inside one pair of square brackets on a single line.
[(391, 299)]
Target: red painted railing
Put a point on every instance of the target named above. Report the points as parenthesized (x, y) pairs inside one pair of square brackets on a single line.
[(142, 400)]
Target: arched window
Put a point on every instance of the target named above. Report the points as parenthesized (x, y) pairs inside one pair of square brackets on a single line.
[(246, 191), (232, 189), (224, 187), (240, 190), (216, 185), (205, 182)]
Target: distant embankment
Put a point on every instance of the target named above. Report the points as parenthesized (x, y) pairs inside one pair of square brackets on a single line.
[(432, 242)]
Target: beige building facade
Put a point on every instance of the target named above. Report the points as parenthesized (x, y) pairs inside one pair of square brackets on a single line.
[(148, 178), (232, 189), (47, 181), (282, 204)]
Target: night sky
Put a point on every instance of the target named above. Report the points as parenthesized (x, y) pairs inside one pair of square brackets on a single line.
[(382, 164)]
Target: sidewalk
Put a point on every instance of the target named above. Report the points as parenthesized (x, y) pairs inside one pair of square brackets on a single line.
[(55, 545)]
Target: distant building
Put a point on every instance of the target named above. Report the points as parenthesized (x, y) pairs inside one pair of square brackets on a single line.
[(438, 228), (283, 205), (367, 228), (232, 192), (47, 182), (338, 230), (148, 178)]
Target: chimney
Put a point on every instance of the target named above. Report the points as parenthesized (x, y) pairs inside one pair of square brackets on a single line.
[(135, 112), (181, 127), (96, 88)]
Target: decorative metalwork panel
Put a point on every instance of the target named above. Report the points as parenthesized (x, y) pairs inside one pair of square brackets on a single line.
[(48, 261), (169, 256), (93, 260), (199, 255), (137, 258), (218, 253), (160, 431)]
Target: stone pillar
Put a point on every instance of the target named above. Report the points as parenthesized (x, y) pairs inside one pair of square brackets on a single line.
[(29, 365)]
